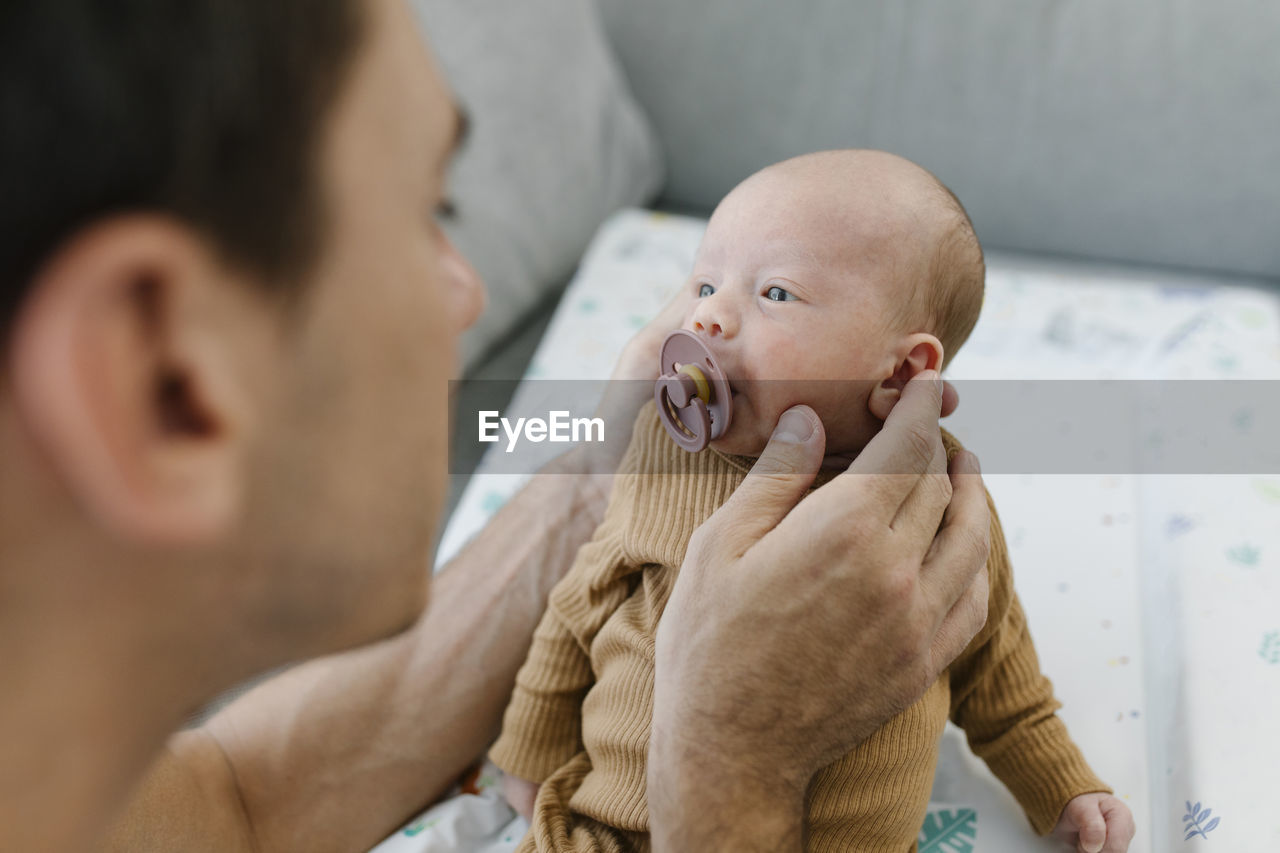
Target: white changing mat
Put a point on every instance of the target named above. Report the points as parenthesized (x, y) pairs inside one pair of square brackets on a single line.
[(1154, 600)]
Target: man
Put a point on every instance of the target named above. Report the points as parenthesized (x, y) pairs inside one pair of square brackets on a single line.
[(229, 319)]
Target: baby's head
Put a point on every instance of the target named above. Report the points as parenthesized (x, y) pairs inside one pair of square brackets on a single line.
[(830, 280)]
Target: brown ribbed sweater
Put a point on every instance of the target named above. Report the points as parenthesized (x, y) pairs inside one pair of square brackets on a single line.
[(579, 719)]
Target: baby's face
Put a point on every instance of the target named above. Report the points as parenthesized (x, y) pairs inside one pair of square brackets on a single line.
[(794, 294)]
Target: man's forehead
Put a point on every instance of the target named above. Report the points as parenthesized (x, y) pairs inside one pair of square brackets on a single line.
[(400, 45)]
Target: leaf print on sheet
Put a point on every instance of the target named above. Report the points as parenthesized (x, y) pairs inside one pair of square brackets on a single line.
[(492, 502), (419, 826), (1270, 648), (1244, 554), (1193, 822), (949, 831)]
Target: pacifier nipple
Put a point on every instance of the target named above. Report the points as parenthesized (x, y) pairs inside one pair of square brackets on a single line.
[(692, 393)]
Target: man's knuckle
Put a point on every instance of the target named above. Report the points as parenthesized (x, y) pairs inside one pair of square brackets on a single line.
[(774, 488), (945, 487), (937, 491), (922, 441), (979, 610), (978, 544), (850, 532), (898, 590), (776, 464), (696, 549)]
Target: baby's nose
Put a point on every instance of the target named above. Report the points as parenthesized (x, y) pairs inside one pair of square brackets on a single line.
[(712, 321)]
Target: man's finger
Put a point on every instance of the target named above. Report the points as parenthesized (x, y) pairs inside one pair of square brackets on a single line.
[(922, 510), (950, 399), (963, 622), (904, 449), (962, 544), (775, 484)]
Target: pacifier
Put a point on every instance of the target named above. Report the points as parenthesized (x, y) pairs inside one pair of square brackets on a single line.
[(693, 396)]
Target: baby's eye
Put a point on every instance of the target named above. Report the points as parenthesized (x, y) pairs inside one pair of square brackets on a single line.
[(777, 294), (705, 290)]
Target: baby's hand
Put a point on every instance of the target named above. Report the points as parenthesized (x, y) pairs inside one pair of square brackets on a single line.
[(1096, 823), (520, 793)]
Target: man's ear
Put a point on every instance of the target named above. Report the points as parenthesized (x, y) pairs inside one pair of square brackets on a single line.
[(914, 353), (126, 386)]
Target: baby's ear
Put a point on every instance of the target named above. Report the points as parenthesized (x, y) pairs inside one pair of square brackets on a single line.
[(914, 353)]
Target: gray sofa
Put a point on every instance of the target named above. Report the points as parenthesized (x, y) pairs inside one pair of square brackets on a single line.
[(1143, 131)]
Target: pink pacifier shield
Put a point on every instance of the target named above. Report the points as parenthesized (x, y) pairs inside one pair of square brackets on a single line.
[(694, 413)]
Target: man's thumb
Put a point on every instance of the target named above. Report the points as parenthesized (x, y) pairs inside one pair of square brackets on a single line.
[(776, 482)]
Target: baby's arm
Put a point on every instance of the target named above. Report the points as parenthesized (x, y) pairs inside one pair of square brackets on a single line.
[(1007, 708), (520, 793), (542, 726)]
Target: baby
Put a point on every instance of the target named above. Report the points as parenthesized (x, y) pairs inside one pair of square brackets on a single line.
[(829, 279)]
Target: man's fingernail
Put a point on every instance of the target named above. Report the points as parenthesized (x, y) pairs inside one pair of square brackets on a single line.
[(793, 427), (971, 462)]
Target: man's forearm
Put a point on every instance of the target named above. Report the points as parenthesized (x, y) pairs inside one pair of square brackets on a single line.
[(702, 800), (335, 753)]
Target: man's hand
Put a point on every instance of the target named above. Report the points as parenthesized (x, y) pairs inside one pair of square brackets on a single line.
[(795, 630), (1096, 823)]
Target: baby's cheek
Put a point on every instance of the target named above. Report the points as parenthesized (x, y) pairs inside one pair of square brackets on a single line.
[(849, 423), (748, 432)]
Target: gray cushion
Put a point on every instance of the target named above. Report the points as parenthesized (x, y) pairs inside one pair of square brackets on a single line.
[(557, 144), (1142, 130)]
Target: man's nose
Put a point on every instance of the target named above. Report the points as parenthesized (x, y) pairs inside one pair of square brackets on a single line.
[(714, 319), (471, 295)]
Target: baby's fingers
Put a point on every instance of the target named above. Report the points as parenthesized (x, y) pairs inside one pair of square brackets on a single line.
[(1091, 826), (1120, 825)]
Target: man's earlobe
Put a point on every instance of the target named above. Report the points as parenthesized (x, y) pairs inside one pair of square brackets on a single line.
[(915, 353), (117, 385)]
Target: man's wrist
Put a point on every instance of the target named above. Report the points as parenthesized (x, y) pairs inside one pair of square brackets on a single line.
[(703, 798)]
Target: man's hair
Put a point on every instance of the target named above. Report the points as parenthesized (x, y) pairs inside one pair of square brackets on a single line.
[(956, 279), (207, 110)]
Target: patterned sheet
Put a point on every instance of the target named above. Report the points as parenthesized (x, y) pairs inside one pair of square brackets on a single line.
[(1154, 600)]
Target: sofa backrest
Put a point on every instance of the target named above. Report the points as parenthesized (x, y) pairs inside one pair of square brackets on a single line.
[(1132, 130)]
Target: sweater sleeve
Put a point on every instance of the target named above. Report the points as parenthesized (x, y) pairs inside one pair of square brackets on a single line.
[(542, 726), (1007, 708)]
